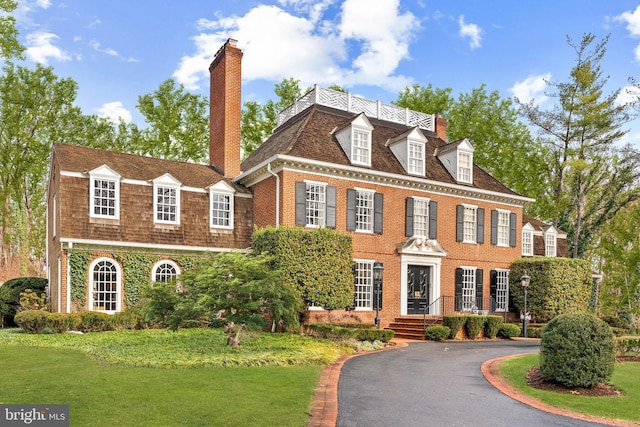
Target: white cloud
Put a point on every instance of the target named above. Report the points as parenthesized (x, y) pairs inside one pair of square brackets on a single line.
[(114, 111), (295, 41), (40, 47), (531, 88), (471, 31), (628, 95), (633, 21), (108, 51)]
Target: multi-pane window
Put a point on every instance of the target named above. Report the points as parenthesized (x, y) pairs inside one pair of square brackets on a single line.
[(468, 289), (166, 203), (416, 158), (421, 217), (104, 197), (469, 225), (104, 294), (361, 147), (502, 290), (527, 242), (363, 282), (550, 244), (503, 228), (165, 271), (364, 210), (315, 205), (464, 167), (221, 210)]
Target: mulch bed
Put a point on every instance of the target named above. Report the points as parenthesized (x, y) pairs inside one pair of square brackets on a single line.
[(535, 379)]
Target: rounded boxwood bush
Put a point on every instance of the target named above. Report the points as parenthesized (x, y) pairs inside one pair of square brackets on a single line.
[(33, 321), (437, 333), (509, 330), (10, 295), (577, 350)]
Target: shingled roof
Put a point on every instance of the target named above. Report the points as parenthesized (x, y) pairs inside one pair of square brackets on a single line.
[(310, 135), (74, 158)]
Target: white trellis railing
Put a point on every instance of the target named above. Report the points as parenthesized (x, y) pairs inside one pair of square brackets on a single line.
[(355, 104)]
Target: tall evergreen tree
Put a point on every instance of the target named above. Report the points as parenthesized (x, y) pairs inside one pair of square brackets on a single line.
[(590, 177)]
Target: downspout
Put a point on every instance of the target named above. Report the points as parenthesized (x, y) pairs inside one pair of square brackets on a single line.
[(273, 323), (277, 194)]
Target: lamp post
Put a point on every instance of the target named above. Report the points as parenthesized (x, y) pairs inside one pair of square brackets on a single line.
[(525, 281), (377, 290)]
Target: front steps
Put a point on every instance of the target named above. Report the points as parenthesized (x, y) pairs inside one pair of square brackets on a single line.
[(412, 327)]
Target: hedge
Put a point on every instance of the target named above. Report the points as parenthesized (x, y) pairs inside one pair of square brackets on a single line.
[(454, 323), (10, 295), (437, 333)]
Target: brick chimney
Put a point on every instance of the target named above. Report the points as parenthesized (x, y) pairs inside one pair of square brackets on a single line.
[(224, 109), (441, 127)]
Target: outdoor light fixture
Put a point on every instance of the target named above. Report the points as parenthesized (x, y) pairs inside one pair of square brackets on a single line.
[(525, 281), (377, 290)]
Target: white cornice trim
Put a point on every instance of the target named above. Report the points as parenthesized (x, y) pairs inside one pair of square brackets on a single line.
[(70, 243), (353, 173)]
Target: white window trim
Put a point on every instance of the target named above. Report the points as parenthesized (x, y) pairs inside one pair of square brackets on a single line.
[(104, 173), (118, 285), (427, 201), (475, 224), (324, 219), (473, 287), (166, 181), (458, 174), (222, 189), (368, 133), (529, 232), (503, 310), (371, 296), (548, 235), (422, 159), (157, 265), (372, 192), (504, 244)]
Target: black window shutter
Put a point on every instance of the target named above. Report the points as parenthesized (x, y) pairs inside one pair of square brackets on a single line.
[(331, 206), (351, 209), (378, 205), (301, 203), (494, 227), (458, 299), (512, 230), (459, 223), (493, 288), (479, 289), (480, 225), (408, 217), (433, 220)]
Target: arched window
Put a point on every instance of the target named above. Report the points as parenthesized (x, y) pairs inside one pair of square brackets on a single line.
[(165, 271), (105, 286)]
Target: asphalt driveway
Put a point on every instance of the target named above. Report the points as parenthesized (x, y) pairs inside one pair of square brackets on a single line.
[(435, 384)]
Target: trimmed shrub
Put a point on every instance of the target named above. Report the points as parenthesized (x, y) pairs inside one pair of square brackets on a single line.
[(95, 321), (577, 350), (383, 335), (333, 332), (33, 321), (509, 330), (10, 295), (58, 322), (474, 325), (534, 332), (128, 319), (437, 333), (628, 347), (492, 326), (454, 323)]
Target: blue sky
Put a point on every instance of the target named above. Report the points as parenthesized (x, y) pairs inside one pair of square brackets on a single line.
[(117, 50)]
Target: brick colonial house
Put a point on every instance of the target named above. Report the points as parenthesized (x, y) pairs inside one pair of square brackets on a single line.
[(445, 230)]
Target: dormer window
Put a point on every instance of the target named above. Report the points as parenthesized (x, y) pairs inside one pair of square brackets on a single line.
[(355, 140), (527, 240), (550, 242), (416, 158), (410, 148), (104, 193), (457, 158), (221, 205), (166, 200)]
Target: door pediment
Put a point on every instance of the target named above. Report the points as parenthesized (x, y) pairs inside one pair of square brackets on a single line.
[(421, 246)]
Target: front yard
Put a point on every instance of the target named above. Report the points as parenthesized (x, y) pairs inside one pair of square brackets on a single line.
[(158, 377)]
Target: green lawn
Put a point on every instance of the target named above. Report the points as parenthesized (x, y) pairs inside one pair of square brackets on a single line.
[(157, 377), (626, 376)]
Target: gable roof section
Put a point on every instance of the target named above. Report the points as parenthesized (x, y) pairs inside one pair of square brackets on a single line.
[(78, 159), (310, 136)]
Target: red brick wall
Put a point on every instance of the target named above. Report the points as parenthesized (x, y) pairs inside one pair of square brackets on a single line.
[(225, 106)]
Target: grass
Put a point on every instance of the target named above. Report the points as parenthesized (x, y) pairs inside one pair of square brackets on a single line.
[(157, 377), (626, 376)]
